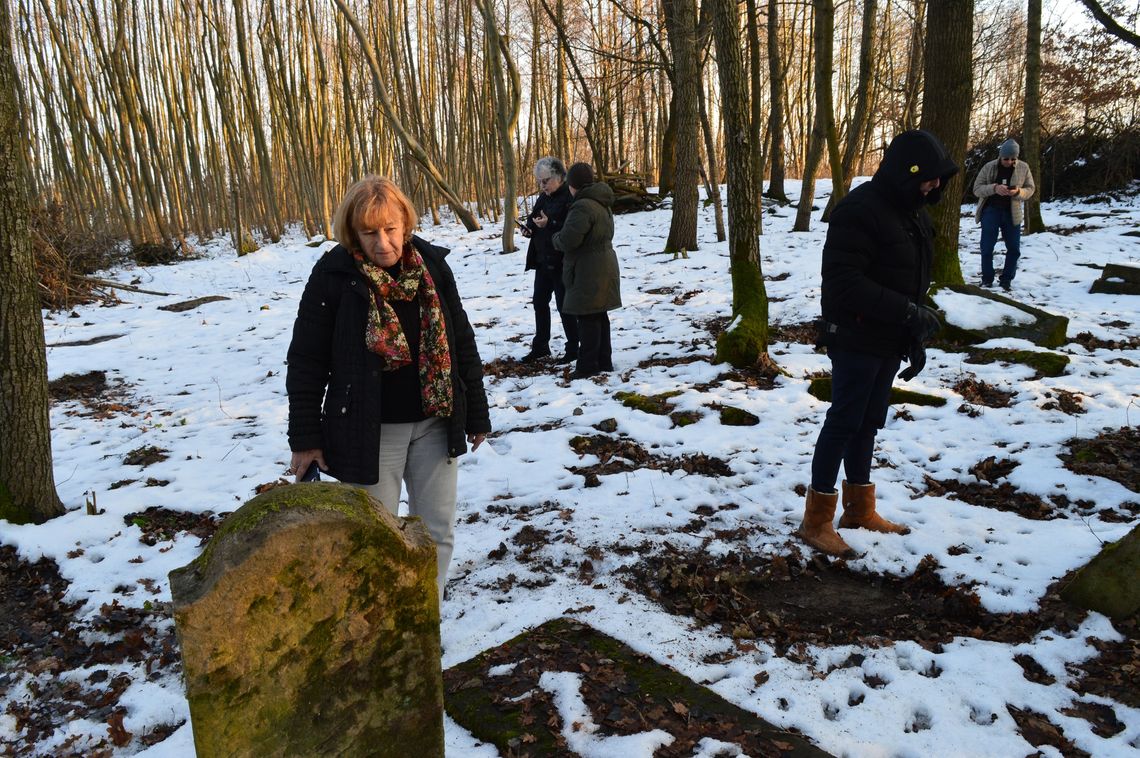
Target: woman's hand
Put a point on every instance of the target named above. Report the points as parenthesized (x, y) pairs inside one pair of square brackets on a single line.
[(301, 459), (541, 220), (475, 440)]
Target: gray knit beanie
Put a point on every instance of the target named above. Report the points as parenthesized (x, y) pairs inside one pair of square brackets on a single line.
[(1009, 149)]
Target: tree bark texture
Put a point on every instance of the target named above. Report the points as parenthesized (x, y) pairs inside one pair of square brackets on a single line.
[(949, 87), (686, 75), (27, 482), (747, 340), (1031, 129)]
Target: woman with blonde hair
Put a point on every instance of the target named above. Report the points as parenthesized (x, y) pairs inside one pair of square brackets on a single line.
[(385, 382)]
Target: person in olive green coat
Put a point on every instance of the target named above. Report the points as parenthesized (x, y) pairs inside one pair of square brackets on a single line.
[(590, 268)]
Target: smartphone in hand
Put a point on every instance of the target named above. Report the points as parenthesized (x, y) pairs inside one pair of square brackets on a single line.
[(312, 473)]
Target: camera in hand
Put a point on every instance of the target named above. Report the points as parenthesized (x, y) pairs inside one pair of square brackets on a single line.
[(312, 473)]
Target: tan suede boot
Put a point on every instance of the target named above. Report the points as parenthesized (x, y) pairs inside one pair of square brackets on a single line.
[(859, 511), (817, 530)]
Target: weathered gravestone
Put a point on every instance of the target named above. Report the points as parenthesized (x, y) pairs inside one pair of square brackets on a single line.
[(309, 626)]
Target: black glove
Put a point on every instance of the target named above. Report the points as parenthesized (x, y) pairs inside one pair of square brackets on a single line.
[(917, 358), (921, 322)]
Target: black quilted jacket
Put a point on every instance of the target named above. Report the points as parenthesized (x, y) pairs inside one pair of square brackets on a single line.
[(880, 249), (333, 380)]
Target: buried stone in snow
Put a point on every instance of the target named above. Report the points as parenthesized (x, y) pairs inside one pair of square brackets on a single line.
[(310, 626), (972, 315)]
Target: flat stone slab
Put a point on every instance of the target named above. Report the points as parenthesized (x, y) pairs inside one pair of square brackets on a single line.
[(516, 696), (1117, 279), (1042, 328)]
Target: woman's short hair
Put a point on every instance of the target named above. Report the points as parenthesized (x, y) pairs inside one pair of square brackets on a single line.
[(550, 166), (365, 198)]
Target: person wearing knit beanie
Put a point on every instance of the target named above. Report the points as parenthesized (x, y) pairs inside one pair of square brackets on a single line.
[(876, 270), (1002, 187), (579, 176)]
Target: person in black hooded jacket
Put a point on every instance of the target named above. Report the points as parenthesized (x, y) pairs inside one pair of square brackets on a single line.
[(876, 270)]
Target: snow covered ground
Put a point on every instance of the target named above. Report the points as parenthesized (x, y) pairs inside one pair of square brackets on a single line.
[(209, 385)]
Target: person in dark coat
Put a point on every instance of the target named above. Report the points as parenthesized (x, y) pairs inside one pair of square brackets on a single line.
[(590, 268), (876, 270), (385, 382), (544, 221)]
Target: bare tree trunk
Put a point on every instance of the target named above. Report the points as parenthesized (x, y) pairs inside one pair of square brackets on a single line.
[(682, 19), (507, 94), (856, 134), (823, 126), (777, 72), (1031, 130), (949, 75), (27, 482), (747, 341), (712, 185)]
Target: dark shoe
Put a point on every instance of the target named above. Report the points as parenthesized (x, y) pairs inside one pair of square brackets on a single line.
[(534, 355), (606, 367), (987, 285), (1004, 286), (582, 374), (567, 358)]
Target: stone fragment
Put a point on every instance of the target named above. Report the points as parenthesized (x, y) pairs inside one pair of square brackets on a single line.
[(1108, 583), (310, 626)]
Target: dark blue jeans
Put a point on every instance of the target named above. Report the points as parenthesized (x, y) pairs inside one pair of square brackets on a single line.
[(860, 395), (548, 281), (994, 219)]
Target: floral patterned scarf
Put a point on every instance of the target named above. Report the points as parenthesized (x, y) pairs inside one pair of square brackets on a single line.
[(384, 336)]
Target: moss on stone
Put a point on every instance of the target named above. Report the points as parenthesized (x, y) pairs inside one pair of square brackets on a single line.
[(502, 722), (311, 625), (1108, 583), (657, 404), (1042, 362), (1046, 330), (684, 418), (731, 416), (316, 496), (820, 388)]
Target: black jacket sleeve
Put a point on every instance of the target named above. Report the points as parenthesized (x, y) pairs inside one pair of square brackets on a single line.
[(309, 360)]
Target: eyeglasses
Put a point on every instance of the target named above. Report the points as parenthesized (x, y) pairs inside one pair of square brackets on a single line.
[(546, 180)]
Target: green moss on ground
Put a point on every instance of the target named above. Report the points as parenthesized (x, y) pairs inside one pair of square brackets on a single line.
[(730, 416), (658, 404), (1043, 363)]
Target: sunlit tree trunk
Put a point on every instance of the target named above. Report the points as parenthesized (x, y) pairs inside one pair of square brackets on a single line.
[(746, 342), (27, 483)]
